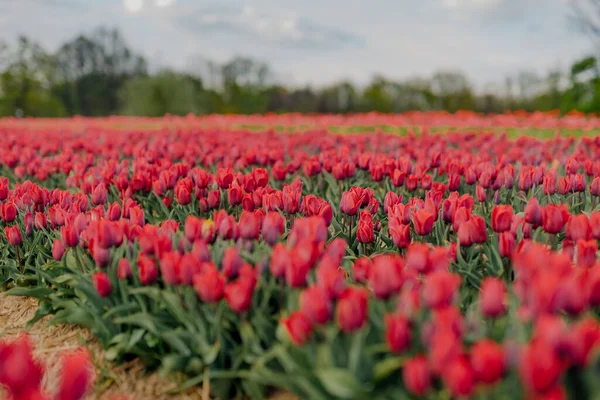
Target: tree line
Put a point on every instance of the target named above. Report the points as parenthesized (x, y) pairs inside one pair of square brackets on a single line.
[(98, 74)]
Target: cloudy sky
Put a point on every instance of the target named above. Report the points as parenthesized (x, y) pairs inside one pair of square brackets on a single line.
[(319, 41)]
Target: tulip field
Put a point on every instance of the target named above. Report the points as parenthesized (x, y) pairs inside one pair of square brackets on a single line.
[(368, 256)]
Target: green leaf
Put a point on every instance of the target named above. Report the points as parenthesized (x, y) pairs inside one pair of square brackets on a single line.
[(340, 383), (143, 320), (387, 367), (36, 292), (176, 343)]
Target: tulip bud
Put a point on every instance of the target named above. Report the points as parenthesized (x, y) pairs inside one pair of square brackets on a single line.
[(352, 308), (13, 235), (416, 376), (102, 284), (99, 195), (299, 328), (493, 297), (123, 269), (397, 333), (76, 377)]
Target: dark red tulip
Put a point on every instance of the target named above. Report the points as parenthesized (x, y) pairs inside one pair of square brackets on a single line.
[(533, 212), (280, 259), (595, 187), (99, 195), (102, 284), (232, 262)]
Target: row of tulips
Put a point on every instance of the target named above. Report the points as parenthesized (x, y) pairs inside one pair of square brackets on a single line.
[(329, 266)]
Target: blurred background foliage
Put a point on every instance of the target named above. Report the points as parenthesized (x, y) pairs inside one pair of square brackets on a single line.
[(98, 74)]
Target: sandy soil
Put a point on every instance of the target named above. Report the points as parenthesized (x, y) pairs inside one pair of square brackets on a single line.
[(125, 381)]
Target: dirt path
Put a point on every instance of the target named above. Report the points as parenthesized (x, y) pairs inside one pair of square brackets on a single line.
[(127, 380)]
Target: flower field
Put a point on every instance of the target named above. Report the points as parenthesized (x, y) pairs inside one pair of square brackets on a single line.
[(422, 255)]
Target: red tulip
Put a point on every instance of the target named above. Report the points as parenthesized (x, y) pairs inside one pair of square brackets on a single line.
[(385, 275), (364, 233), (539, 367), (76, 375), (493, 297), (170, 268), (397, 333), (399, 233), (586, 253), (273, 227), (506, 244), (232, 262), (40, 220), (19, 372), (238, 294), (459, 377), (99, 195), (249, 226), (423, 222), (299, 328), (9, 212), (209, 284), (502, 217), (361, 269), (595, 187), (13, 235), (578, 228), (351, 313), (533, 212), (554, 218), (440, 288), (124, 269), (102, 284), (416, 376), (350, 203), (58, 250), (315, 304), (213, 199), (147, 269), (488, 361)]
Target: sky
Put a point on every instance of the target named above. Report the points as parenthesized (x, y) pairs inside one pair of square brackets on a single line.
[(321, 41)]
